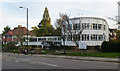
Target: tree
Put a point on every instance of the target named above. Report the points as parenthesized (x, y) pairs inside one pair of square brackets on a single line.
[(6, 29), (45, 27), (67, 29), (57, 31), (117, 34), (10, 46), (35, 30), (46, 20)]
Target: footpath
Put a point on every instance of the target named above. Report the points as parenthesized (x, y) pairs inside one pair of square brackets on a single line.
[(116, 60)]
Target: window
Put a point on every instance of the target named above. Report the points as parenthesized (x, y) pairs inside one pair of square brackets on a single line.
[(59, 38), (99, 26), (76, 37), (69, 38), (85, 37), (83, 25), (94, 37), (76, 26), (94, 26), (33, 39), (79, 26), (100, 37), (87, 25), (41, 39), (104, 27), (82, 37), (88, 37)]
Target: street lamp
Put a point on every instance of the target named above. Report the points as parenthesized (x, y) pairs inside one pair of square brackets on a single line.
[(27, 23)]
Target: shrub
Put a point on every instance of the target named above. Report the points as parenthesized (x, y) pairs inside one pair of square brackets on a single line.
[(10, 46), (111, 46)]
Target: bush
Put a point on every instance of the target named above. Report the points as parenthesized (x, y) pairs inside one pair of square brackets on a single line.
[(111, 46), (10, 46)]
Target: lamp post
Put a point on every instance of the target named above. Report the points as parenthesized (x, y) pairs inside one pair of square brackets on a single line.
[(27, 23)]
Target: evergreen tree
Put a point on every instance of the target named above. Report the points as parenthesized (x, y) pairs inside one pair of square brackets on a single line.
[(6, 29), (46, 20), (45, 27)]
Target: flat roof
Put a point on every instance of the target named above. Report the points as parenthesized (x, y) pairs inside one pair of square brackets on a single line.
[(88, 17)]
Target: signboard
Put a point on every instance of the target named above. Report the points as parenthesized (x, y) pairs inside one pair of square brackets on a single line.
[(82, 45)]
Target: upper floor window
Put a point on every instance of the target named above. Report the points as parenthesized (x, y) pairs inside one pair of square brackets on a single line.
[(76, 26), (104, 27), (99, 26), (94, 26), (85, 26)]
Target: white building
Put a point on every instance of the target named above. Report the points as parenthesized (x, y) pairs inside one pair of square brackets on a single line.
[(96, 30), (44, 41)]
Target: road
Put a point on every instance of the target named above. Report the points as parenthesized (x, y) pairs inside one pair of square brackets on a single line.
[(11, 61)]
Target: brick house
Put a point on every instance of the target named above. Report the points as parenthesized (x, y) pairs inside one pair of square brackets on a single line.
[(17, 34)]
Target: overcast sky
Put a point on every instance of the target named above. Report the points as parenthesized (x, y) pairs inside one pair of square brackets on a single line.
[(12, 15)]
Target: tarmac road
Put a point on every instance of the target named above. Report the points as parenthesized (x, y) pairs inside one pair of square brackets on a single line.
[(11, 61)]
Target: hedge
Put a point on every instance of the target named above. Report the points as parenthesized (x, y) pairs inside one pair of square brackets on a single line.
[(110, 46)]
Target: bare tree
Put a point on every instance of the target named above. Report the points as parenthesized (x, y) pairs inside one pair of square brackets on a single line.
[(66, 27)]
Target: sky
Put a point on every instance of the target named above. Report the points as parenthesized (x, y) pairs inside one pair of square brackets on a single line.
[(12, 15)]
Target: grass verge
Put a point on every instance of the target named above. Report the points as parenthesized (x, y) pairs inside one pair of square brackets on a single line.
[(93, 54)]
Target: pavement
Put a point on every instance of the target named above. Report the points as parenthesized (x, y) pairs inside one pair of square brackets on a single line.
[(116, 60)]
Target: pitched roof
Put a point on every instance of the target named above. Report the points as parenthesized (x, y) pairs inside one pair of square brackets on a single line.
[(22, 31), (19, 31)]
